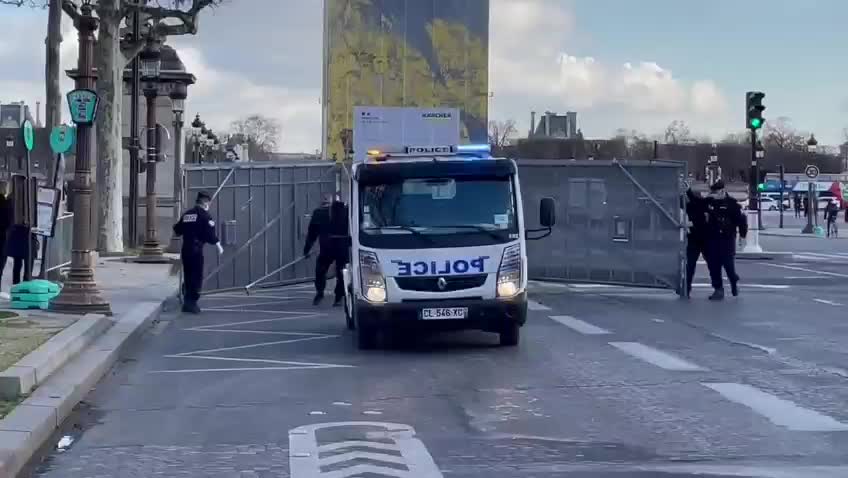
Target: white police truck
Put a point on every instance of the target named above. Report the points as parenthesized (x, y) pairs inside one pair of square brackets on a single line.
[(438, 242)]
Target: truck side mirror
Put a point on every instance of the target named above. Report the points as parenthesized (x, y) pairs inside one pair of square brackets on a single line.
[(547, 212)]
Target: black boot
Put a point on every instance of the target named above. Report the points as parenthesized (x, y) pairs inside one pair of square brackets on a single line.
[(717, 295), (338, 301), (734, 288), (318, 298), (191, 308)]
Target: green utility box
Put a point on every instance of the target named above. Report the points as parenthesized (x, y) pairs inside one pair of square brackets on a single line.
[(34, 294)]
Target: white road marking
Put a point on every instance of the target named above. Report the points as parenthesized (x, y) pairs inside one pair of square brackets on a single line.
[(591, 286), (241, 369), (237, 306), (659, 321), (744, 285), (372, 412), (548, 284), (317, 412), (296, 316), (252, 360), (260, 332), (801, 277), (777, 410), (578, 325), (803, 269), (533, 305), (656, 357), (261, 344), (305, 459), (237, 311), (342, 404), (828, 302)]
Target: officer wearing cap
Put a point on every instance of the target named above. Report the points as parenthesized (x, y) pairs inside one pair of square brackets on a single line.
[(197, 228), (724, 217), (329, 226), (696, 243)]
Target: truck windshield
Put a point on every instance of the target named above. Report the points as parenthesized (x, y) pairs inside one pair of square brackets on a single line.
[(437, 212)]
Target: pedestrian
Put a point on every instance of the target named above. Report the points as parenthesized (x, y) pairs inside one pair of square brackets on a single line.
[(7, 217), (797, 204), (697, 234), (724, 217), (329, 226), (831, 213), (196, 228)]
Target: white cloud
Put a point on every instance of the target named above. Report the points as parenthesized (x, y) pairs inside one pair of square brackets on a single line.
[(221, 97)]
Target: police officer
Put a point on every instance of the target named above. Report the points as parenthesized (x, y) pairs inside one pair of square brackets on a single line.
[(329, 225), (724, 217), (696, 210), (197, 228)]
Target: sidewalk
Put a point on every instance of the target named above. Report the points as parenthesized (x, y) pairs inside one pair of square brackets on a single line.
[(796, 232), (64, 356)]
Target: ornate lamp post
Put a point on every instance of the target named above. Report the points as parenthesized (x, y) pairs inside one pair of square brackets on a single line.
[(178, 96), (151, 64), (10, 146), (196, 126), (812, 146), (80, 294)]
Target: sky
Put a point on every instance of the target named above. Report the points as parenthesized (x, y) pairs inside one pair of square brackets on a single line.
[(618, 63)]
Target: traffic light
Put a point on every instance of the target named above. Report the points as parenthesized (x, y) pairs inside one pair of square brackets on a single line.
[(761, 187), (754, 110)]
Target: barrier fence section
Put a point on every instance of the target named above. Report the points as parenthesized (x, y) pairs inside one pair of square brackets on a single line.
[(619, 222), (59, 246), (261, 213)]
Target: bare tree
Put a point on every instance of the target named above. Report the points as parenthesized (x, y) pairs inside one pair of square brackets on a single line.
[(262, 133), (501, 133), (115, 48), (739, 137), (780, 134), (677, 132)]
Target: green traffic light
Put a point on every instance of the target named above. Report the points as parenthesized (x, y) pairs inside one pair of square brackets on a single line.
[(756, 123), (761, 187)]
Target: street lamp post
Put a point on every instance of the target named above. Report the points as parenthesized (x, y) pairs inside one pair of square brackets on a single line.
[(713, 169), (812, 145), (196, 126), (178, 96), (80, 294), (10, 145), (201, 142), (151, 64)]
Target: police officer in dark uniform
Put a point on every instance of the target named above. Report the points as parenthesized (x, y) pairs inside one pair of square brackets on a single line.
[(197, 228), (696, 244), (329, 225), (724, 217)]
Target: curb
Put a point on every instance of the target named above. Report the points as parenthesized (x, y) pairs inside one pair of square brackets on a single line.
[(24, 431), (762, 256), (37, 366)]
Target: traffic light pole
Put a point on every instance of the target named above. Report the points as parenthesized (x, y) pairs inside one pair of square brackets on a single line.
[(752, 244), (782, 187)]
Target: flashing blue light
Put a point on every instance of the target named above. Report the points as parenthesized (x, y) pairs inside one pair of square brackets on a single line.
[(474, 148)]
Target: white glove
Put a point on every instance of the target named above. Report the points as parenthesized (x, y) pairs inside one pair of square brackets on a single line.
[(220, 248)]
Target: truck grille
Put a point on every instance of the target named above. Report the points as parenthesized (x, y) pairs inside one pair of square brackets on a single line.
[(431, 284)]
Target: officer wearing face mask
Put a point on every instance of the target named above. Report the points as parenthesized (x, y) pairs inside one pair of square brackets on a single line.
[(724, 217), (329, 226), (197, 228)]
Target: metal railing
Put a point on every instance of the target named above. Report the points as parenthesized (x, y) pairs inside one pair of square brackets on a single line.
[(59, 246)]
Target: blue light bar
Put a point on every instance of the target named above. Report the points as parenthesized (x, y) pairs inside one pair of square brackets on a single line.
[(474, 148)]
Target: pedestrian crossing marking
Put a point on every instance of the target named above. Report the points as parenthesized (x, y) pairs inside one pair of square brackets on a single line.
[(533, 305), (578, 325), (777, 410), (656, 357)]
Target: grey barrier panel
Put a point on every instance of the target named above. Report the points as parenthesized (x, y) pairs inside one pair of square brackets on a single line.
[(59, 246), (263, 210), (618, 222)]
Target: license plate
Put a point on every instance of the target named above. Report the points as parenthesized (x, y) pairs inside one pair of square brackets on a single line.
[(444, 313)]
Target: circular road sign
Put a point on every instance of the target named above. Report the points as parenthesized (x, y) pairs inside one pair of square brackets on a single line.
[(62, 139), (812, 171), (29, 135)]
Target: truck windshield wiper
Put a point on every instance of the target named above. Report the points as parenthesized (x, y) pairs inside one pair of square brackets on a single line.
[(484, 229), (410, 229)]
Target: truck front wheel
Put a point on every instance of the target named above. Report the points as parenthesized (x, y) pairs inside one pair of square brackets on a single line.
[(510, 335)]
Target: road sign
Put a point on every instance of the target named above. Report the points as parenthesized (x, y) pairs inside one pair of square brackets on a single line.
[(62, 138), (83, 106), (812, 171), (29, 135)]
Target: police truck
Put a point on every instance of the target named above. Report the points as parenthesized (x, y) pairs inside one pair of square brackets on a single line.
[(437, 243)]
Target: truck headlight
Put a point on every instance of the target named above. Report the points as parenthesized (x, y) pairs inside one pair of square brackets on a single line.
[(509, 273), (371, 276)]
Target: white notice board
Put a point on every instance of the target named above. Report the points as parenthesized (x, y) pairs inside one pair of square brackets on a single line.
[(395, 127), (47, 206)]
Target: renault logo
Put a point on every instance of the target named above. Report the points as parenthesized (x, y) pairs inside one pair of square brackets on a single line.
[(442, 283)]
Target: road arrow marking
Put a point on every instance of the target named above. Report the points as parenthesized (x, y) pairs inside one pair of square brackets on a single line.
[(305, 460)]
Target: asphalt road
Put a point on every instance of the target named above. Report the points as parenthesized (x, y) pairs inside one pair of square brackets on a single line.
[(607, 383)]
